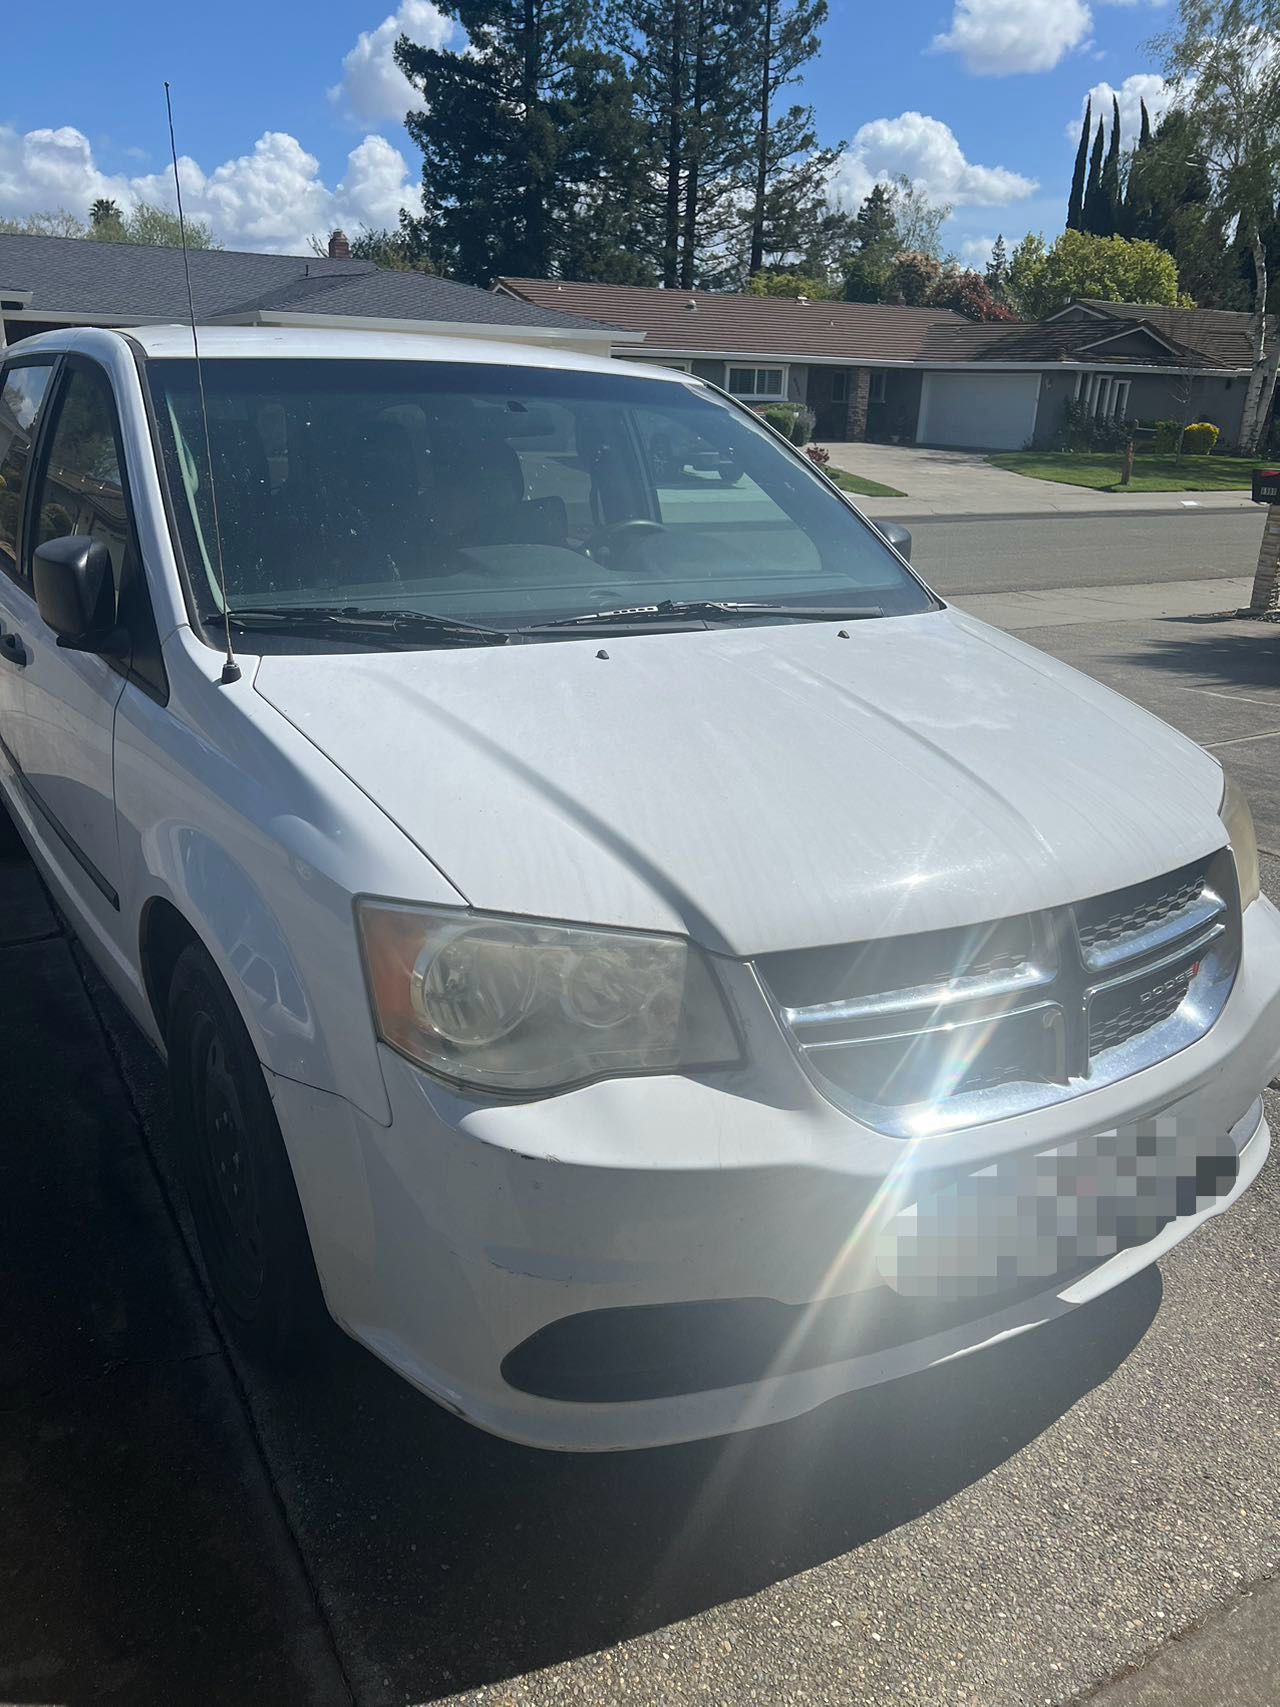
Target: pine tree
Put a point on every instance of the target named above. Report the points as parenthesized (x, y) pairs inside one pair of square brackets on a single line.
[(998, 270), (1109, 205), (1093, 187), (785, 41), (876, 241), (528, 138), (1075, 205), (1136, 212)]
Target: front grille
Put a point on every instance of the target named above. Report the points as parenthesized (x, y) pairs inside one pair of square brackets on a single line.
[(943, 1029), (1117, 1015)]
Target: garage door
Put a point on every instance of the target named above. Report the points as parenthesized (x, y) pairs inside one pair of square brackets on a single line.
[(980, 411)]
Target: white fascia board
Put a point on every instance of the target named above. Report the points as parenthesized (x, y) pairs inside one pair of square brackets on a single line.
[(443, 328)]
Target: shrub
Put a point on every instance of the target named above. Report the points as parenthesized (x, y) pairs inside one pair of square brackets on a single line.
[(780, 416), (1166, 439), (1200, 438), (817, 453), (803, 425), (1081, 430)]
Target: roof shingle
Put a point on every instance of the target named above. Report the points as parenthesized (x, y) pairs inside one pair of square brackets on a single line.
[(136, 284), (689, 321)]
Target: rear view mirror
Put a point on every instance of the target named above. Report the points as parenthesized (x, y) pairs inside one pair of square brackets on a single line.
[(76, 594), (898, 537)]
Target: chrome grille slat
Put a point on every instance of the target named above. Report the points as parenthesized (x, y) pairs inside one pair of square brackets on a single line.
[(1089, 993)]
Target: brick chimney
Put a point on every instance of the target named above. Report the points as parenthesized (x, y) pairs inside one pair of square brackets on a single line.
[(339, 248)]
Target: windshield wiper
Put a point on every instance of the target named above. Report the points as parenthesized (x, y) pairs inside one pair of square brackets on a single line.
[(704, 610), (328, 621)]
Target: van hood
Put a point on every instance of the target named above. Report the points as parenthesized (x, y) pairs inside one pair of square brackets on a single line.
[(761, 788)]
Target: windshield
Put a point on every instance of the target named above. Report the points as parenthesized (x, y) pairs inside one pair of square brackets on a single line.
[(499, 495)]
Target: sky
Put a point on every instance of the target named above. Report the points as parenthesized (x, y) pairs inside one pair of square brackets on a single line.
[(288, 128)]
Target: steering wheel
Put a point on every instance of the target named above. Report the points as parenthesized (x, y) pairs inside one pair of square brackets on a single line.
[(620, 539)]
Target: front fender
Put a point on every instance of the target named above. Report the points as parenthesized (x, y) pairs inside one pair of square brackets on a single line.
[(239, 823)]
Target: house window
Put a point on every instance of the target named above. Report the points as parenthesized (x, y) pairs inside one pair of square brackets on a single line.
[(1103, 395), (758, 382), (840, 386), (875, 393)]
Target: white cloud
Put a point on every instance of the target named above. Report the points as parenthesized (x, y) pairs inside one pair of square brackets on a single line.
[(273, 198), (925, 150), (373, 87), (977, 250), (996, 37), (1142, 86)]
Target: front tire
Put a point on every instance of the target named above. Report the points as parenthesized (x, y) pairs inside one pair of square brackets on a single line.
[(239, 1181)]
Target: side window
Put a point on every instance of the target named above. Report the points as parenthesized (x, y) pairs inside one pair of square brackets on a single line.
[(20, 399), (81, 490)]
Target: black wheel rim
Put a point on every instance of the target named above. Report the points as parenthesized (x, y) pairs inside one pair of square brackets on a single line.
[(231, 1237)]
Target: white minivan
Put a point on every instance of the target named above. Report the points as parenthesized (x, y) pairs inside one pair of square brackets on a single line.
[(620, 942)]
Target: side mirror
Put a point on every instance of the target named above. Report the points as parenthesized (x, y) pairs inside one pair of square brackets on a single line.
[(898, 536), (76, 595)]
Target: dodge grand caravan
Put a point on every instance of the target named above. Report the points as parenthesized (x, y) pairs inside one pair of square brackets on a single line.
[(620, 942)]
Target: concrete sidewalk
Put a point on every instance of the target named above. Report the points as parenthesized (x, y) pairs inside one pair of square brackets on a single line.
[(958, 483)]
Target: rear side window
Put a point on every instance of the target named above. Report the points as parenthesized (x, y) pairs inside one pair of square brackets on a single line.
[(20, 398)]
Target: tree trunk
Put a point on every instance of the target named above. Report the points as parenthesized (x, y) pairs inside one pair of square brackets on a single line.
[(675, 148), (535, 235), (762, 148), (691, 186), (1262, 380), (1266, 578)]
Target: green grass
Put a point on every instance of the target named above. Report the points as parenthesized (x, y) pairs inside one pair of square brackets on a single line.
[(1101, 470), (864, 488)]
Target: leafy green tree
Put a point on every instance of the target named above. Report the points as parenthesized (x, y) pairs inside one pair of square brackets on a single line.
[(918, 221), (149, 224), (913, 278), (997, 274), (526, 136), (1075, 203), (57, 222), (1109, 269), (399, 250), (1091, 214), (1225, 71), (790, 284), (866, 279), (1025, 268)]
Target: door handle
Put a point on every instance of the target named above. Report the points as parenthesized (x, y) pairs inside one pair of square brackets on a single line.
[(12, 650)]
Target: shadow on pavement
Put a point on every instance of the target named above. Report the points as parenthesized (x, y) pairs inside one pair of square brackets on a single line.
[(1240, 654), (143, 1559), (448, 1559), (142, 1556)]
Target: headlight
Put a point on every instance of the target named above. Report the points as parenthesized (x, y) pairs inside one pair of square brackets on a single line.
[(517, 1005), (1235, 814)]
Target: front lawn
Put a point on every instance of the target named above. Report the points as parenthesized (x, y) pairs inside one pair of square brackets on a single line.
[(863, 488), (1102, 469)]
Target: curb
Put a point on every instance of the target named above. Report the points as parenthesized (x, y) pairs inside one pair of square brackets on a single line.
[(1050, 515)]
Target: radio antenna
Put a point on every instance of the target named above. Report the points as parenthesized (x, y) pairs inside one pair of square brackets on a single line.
[(230, 669)]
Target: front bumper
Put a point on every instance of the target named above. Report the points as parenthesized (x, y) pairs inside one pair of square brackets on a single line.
[(451, 1240)]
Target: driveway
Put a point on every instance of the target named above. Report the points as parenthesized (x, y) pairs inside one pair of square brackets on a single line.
[(963, 483), (1011, 1529)]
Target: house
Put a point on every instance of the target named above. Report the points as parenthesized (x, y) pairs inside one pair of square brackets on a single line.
[(927, 375), (66, 281)]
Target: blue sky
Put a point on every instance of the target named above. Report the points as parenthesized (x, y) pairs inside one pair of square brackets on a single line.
[(288, 128)]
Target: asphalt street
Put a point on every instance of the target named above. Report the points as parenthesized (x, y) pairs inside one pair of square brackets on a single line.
[(1017, 1528), (978, 555)]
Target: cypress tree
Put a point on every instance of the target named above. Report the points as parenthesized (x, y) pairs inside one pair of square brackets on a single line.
[(1135, 218), (1075, 206), (1109, 205), (1093, 187)]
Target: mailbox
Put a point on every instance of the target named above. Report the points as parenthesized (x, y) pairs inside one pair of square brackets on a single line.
[(1266, 485)]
